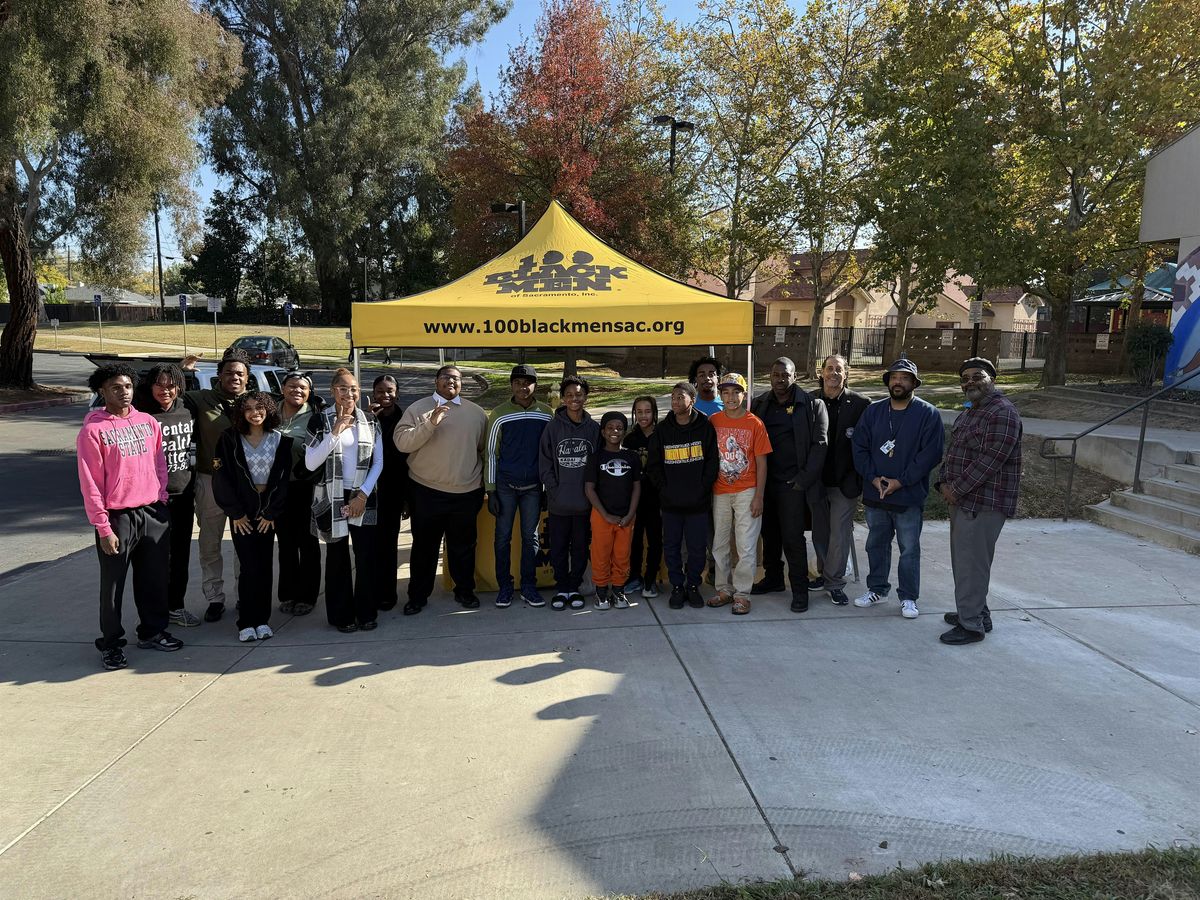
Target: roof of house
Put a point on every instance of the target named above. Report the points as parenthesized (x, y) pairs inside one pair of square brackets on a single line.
[(1159, 287), (796, 285)]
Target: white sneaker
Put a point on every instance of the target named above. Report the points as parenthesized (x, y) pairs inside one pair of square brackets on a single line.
[(650, 590), (870, 598), (247, 634), (908, 609), (264, 632)]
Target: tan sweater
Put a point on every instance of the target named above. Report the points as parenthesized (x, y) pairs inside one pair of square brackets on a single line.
[(447, 457)]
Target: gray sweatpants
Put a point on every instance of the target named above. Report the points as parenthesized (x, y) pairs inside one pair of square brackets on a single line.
[(833, 532), (973, 537), (211, 519)]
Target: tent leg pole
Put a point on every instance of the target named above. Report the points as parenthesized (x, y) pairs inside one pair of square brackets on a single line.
[(441, 356), (356, 366), (749, 375)]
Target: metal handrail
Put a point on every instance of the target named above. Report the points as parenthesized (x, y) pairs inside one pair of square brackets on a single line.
[(1074, 439)]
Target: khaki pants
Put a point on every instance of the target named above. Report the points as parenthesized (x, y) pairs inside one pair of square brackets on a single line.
[(211, 519), (732, 519)]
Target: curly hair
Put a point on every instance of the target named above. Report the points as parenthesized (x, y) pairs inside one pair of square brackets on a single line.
[(234, 355), (143, 394), (694, 368), (256, 398), (574, 379), (109, 371)]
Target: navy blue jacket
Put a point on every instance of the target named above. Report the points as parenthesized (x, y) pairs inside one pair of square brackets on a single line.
[(919, 437)]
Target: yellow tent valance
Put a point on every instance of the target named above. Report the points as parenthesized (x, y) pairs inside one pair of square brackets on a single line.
[(560, 286)]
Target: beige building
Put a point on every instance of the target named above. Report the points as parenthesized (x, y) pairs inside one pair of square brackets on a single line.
[(1171, 200), (788, 300)]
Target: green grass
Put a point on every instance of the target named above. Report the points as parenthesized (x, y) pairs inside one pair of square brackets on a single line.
[(1149, 874), (84, 336)]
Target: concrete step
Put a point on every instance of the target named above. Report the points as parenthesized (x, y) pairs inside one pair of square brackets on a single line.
[(1141, 526), (1187, 494), (1167, 512), (1184, 474), (1193, 458)]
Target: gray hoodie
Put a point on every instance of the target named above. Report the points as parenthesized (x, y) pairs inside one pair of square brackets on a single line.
[(562, 461)]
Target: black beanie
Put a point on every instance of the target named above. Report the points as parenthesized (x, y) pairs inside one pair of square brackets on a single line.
[(978, 362), (613, 414)]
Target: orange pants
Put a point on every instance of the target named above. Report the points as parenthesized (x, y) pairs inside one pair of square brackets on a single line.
[(610, 552)]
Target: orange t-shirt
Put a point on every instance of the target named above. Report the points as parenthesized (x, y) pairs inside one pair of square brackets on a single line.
[(739, 443)]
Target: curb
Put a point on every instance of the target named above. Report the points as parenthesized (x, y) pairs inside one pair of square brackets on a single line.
[(30, 405)]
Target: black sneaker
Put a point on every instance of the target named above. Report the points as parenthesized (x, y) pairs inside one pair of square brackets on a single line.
[(768, 587), (214, 612), (960, 635), (816, 584), (839, 597), (678, 597), (113, 659), (952, 619), (467, 599), (161, 641), (695, 601)]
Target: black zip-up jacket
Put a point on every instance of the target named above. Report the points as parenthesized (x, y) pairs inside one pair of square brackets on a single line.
[(682, 462), (233, 488), (839, 454), (810, 425)]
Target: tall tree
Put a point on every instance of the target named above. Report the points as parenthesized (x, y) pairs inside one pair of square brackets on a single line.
[(225, 249), (97, 115), (567, 125), (340, 101), (1094, 86), (745, 67), (936, 195), (846, 37)]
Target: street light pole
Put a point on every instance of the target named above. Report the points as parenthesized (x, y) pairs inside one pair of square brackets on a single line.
[(363, 260), (519, 209), (162, 301), (677, 125)]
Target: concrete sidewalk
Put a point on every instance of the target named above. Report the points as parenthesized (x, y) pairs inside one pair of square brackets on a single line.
[(530, 753)]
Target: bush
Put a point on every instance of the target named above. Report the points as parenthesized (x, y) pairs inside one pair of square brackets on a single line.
[(1148, 344)]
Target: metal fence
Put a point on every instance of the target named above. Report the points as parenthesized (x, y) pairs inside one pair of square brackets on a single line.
[(860, 346), (1021, 351)]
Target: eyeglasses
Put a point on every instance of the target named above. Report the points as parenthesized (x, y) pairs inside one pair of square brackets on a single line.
[(967, 379), (449, 378)]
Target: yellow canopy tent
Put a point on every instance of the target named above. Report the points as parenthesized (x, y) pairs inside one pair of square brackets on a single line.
[(560, 286)]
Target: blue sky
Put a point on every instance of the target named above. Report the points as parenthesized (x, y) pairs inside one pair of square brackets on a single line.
[(484, 62)]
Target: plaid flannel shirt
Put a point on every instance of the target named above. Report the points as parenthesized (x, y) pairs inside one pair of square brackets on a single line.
[(983, 461)]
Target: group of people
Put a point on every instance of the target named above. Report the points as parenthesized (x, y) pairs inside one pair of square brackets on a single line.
[(698, 487)]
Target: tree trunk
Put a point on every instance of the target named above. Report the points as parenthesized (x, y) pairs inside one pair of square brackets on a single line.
[(903, 314), (16, 344), (570, 364), (809, 364), (334, 283), (1134, 313), (1055, 369)]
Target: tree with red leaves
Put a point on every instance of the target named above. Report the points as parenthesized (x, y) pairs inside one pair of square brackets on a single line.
[(569, 124)]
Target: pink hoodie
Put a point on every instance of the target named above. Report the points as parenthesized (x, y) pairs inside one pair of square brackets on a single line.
[(121, 464)]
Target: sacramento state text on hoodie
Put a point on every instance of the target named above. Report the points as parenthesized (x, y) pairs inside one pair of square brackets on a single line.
[(121, 464), (682, 462), (562, 461)]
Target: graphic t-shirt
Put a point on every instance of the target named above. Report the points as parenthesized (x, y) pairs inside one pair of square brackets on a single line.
[(614, 475), (739, 441)]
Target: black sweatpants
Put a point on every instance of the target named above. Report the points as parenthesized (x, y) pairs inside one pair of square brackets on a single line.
[(570, 541), (784, 511), (299, 548), (143, 544), (432, 516), (685, 534), (387, 539), (256, 553), (182, 510), (350, 595), (647, 526)]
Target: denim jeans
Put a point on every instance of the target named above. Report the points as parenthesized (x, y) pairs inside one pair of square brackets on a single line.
[(905, 526), (529, 501)]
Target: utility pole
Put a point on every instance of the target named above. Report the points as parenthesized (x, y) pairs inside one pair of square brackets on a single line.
[(162, 302)]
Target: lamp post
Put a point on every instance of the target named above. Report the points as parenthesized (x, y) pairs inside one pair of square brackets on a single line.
[(677, 125), (363, 260), (518, 208)]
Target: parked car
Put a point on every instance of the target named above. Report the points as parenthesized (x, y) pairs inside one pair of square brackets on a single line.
[(268, 379), (267, 349)]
